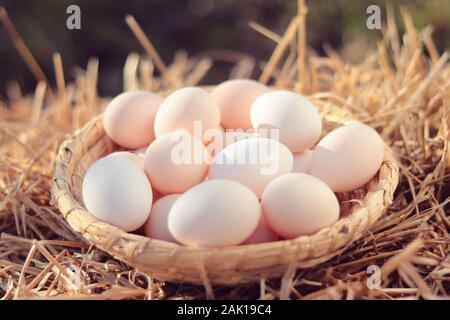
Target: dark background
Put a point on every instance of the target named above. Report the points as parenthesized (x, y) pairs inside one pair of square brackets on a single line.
[(198, 26)]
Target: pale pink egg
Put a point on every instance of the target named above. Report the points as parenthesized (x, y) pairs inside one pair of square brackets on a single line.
[(130, 156), (129, 118), (214, 213), (156, 226), (302, 161), (289, 114), (235, 98), (262, 233), (175, 162), (191, 108), (348, 157), (298, 204)]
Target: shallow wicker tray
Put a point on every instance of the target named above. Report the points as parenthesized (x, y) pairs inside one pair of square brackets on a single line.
[(231, 265)]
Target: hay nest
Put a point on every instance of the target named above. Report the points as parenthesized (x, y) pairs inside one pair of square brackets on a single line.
[(402, 89)]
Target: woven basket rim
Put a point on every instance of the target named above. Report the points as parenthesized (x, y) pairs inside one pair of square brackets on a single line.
[(178, 263)]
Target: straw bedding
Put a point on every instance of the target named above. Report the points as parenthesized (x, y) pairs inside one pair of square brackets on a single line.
[(402, 89)]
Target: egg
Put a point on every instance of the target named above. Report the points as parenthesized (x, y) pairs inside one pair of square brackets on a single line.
[(295, 117), (157, 226), (116, 191), (214, 213), (262, 233), (253, 162), (175, 162), (186, 108), (130, 156), (302, 161), (298, 204), (235, 98), (348, 157), (129, 118)]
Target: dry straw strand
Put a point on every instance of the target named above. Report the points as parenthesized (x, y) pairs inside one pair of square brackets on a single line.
[(145, 42)]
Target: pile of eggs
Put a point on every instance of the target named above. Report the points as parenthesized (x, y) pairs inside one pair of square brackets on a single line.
[(282, 186)]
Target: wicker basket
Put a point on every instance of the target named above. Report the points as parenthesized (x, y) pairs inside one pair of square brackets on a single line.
[(227, 266)]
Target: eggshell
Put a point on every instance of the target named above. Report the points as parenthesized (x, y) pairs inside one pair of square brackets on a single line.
[(235, 98), (295, 117), (156, 226), (129, 118), (262, 233), (130, 156), (348, 157), (183, 108), (116, 191), (302, 161), (298, 204), (253, 162), (176, 161), (215, 213)]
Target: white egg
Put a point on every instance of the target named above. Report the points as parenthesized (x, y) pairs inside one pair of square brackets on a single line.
[(214, 213), (295, 117), (116, 191), (254, 162)]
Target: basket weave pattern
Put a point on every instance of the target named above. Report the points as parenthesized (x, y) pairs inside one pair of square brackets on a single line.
[(231, 265)]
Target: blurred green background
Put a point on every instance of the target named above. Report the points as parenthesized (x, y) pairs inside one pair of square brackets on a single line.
[(198, 26)]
